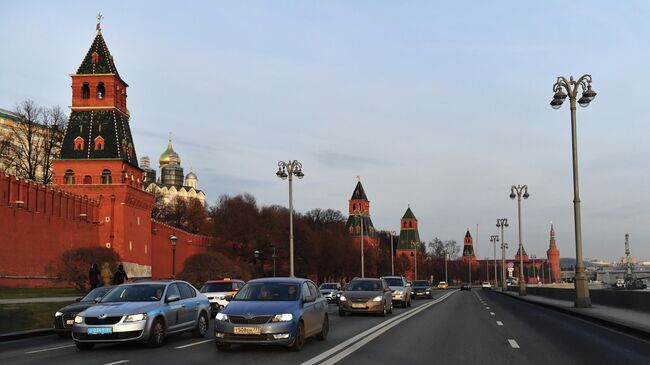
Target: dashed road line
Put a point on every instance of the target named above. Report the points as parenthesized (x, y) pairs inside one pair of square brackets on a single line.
[(117, 362), (49, 349), (513, 343), (487, 307), (491, 313), (192, 344), (499, 323)]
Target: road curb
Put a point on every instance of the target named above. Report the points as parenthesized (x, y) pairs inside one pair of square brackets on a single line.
[(632, 331), (25, 334)]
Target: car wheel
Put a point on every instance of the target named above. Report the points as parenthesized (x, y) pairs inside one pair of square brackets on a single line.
[(222, 346), (322, 336), (156, 334), (299, 340), (342, 313), (84, 346), (201, 326), (390, 310), (384, 311)]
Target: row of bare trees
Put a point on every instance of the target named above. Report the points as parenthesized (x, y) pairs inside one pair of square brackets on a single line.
[(28, 146)]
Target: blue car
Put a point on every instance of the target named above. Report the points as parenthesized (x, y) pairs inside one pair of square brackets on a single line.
[(273, 311)]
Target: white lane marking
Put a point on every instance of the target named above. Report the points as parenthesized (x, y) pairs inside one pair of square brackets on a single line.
[(117, 362), (48, 349), (499, 323), (513, 343), (335, 349), (491, 313), (192, 344), (487, 307)]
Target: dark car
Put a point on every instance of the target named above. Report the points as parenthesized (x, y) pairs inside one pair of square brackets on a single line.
[(273, 311), (422, 289), (64, 317), (465, 286), (367, 295)]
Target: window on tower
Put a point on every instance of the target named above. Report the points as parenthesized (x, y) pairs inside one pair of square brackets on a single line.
[(410, 224), (106, 177), (85, 90), (99, 142), (101, 90), (78, 144), (68, 178)]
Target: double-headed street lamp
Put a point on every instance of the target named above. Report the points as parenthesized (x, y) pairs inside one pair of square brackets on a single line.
[(172, 240), (415, 247), (494, 239), (564, 88), (392, 262), (503, 223), (288, 169), (534, 268), (361, 214), (519, 191)]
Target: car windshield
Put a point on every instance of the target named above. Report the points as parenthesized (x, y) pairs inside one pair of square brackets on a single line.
[(94, 294), (420, 283), (328, 286), (394, 281), (365, 285), (268, 291), (135, 293), (216, 287)]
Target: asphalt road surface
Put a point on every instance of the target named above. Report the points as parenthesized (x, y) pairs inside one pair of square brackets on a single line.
[(477, 327)]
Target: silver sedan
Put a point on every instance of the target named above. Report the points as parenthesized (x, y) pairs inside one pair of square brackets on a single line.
[(144, 311)]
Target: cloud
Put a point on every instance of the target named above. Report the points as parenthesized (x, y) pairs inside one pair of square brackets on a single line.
[(338, 160)]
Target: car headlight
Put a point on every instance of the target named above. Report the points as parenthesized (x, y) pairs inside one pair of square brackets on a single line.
[(58, 314), (286, 317), (342, 298), (136, 317), (428, 292), (378, 298), (78, 319), (221, 317)]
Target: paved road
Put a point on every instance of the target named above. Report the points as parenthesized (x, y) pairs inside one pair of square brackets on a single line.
[(453, 328)]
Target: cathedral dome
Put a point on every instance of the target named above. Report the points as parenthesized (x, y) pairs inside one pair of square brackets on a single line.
[(169, 156), (191, 176)]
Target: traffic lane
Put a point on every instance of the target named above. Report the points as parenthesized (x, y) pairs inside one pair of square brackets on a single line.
[(51, 349), (546, 335), (457, 330)]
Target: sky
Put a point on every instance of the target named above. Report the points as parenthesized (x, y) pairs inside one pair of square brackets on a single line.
[(438, 105)]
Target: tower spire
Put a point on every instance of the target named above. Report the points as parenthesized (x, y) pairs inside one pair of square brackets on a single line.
[(99, 22)]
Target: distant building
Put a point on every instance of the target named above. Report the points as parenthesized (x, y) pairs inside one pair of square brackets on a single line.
[(409, 238), (171, 183), (553, 256), (468, 248), (359, 210)]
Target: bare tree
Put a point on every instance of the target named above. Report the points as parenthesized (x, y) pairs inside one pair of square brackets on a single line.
[(54, 121)]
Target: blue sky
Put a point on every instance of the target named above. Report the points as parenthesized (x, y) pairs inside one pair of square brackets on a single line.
[(441, 106)]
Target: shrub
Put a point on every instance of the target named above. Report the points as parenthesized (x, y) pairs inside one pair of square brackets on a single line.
[(211, 266), (75, 264)]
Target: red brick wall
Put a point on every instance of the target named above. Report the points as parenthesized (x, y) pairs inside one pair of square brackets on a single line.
[(161, 253), (36, 232)]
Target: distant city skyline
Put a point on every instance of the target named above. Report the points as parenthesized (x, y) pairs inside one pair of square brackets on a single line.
[(440, 106)]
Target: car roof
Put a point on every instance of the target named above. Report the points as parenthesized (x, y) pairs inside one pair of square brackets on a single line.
[(279, 279), (225, 281), (392, 277)]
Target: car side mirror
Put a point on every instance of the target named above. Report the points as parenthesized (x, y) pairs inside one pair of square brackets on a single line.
[(408, 285), (386, 289), (228, 298), (172, 298), (308, 299), (97, 299)]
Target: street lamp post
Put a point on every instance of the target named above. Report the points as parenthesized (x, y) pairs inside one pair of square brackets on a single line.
[(257, 256), (415, 246), (361, 214), (521, 191), (392, 262), (172, 240), (274, 256), (288, 169), (503, 223), (534, 268), (494, 239), (446, 258), (572, 88)]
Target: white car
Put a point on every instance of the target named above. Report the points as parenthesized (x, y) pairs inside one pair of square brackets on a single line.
[(217, 290), (486, 285)]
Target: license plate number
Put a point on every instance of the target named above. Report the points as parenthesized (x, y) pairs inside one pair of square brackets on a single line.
[(358, 305), (99, 330), (69, 322), (247, 330)]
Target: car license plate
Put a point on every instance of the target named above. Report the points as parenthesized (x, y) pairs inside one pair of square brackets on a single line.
[(247, 330), (99, 330), (358, 305), (69, 322)]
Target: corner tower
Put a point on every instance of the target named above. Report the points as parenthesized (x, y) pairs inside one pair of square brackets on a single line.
[(98, 159), (359, 210), (468, 248), (553, 255), (409, 237)]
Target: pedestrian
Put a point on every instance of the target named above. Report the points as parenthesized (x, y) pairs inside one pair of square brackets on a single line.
[(94, 276), (120, 276)]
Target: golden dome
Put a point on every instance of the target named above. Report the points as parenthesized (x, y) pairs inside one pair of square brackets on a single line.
[(169, 156)]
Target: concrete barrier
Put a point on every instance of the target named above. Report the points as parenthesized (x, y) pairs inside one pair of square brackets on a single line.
[(629, 299)]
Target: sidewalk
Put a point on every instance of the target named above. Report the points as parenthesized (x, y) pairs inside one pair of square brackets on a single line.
[(626, 320), (39, 300)]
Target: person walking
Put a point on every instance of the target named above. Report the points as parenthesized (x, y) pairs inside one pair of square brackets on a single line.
[(120, 276), (94, 276)]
